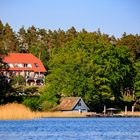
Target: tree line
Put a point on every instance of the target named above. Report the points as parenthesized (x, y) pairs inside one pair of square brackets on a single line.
[(101, 69)]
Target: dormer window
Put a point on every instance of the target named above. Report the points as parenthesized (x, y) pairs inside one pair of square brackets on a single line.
[(29, 66), (36, 65), (11, 65), (25, 65), (20, 66), (16, 65)]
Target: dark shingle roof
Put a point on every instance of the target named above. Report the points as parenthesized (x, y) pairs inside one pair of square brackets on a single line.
[(68, 103)]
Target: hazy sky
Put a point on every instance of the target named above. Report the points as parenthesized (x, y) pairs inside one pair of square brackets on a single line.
[(112, 16)]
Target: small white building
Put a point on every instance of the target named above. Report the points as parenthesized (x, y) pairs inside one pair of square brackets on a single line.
[(72, 104)]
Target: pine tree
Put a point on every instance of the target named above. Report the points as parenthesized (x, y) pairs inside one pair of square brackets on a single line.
[(22, 39), (1, 35), (9, 39), (71, 34)]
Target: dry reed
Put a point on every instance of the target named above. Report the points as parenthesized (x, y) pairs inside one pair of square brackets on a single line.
[(15, 111)]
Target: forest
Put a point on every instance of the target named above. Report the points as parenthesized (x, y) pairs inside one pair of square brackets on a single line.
[(102, 69)]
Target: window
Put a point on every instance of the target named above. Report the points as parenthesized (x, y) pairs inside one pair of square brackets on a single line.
[(36, 65), (16, 65), (20, 65), (29, 66), (25, 65), (11, 65), (79, 104)]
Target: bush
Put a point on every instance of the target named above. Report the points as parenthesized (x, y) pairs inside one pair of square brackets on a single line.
[(49, 99), (32, 102), (48, 106), (18, 80), (31, 90)]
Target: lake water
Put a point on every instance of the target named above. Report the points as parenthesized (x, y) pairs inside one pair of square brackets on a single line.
[(71, 129)]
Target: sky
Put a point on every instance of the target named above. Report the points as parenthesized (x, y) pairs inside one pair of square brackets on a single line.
[(113, 17)]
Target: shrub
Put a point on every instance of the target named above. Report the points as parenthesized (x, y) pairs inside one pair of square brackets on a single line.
[(31, 90), (18, 80), (48, 106), (32, 102)]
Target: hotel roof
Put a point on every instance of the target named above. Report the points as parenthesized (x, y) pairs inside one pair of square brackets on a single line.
[(24, 58)]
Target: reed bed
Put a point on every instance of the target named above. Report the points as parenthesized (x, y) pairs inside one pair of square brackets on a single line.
[(15, 111)]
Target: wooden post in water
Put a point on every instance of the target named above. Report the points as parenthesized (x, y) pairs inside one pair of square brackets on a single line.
[(132, 110), (125, 110), (104, 110)]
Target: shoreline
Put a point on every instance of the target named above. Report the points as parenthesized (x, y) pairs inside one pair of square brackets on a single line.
[(15, 111)]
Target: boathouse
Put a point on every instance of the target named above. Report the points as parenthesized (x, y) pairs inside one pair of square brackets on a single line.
[(72, 104)]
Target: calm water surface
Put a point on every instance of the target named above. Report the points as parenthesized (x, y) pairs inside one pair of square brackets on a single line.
[(71, 129)]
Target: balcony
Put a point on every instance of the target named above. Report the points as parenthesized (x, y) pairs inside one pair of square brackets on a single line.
[(36, 77)]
